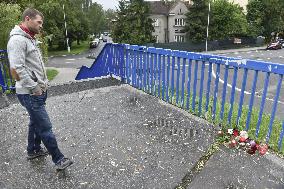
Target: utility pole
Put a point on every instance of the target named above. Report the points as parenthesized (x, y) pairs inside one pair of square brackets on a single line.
[(66, 33), (208, 22)]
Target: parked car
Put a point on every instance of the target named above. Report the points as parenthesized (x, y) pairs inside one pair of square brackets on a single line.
[(94, 43), (278, 44)]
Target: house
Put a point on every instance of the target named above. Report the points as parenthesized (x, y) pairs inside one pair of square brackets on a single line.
[(169, 20), (242, 3)]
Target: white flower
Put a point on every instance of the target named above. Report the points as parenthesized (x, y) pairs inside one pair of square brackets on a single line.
[(230, 131), (244, 134)]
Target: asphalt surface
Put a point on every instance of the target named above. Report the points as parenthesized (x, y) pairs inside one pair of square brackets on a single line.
[(260, 54), (120, 137), (75, 61)]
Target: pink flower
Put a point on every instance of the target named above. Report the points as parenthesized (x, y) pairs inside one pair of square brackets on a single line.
[(244, 134), (262, 149)]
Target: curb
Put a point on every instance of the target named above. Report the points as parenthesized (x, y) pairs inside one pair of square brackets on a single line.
[(65, 88)]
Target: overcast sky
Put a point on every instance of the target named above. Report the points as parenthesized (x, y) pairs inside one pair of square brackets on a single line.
[(108, 4)]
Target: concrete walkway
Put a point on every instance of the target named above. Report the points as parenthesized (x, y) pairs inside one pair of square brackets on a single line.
[(64, 75), (120, 137)]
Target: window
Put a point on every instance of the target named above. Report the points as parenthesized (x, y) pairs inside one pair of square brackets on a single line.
[(179, 22), (155, 22), (179, 38)]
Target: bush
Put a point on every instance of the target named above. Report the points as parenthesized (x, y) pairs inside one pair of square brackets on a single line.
[(10, 15)]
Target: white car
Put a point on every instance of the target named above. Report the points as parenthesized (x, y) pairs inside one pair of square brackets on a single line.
[(94, 43)]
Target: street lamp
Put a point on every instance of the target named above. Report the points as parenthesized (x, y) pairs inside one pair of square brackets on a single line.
[(67, 39), (208, 21)]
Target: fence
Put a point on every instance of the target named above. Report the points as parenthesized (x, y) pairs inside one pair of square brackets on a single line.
[(227, 91), (6, 81), (212, 45)]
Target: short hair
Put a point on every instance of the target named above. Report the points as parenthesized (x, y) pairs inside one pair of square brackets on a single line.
[(32, 13)]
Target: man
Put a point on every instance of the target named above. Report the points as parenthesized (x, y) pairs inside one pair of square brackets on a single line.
[(27, 68)]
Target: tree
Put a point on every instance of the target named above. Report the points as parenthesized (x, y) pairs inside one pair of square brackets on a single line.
[(82, 17), (110, 16), (133, 25), (255, 17), (196, 20), (273, 20), (227, 20), (10, 16), (265, 17), (96, 18)]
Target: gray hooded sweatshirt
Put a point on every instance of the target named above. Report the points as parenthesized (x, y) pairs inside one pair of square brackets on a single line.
[(25, 57)]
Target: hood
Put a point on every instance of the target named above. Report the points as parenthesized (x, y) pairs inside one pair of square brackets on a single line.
[(18, 31)]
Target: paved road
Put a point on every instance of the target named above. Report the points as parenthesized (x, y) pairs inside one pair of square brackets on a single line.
[(276, 56), (75, 61)]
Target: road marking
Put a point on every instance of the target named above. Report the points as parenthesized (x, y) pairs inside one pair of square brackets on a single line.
[(280, 102), (71, 59), (245, 92)]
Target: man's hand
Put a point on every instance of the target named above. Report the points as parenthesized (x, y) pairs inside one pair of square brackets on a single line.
[(38, 93), (15, 74)]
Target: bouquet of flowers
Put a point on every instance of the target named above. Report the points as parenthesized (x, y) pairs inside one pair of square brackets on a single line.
[(233, 138)]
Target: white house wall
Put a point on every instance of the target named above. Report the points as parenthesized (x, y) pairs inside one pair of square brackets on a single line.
[(177, 14), (160, 30)]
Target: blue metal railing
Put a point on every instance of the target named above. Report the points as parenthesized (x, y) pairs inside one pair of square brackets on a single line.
[(231, 90), (6, 81)]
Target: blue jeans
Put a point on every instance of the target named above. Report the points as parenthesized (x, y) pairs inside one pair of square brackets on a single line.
[(40, 127)]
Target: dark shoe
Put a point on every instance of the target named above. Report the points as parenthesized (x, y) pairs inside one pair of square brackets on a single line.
[(39, 153), (63, 164)]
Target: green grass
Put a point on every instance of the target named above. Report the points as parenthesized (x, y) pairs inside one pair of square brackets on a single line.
[(51, 73), (75, 49), (263, 129)]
